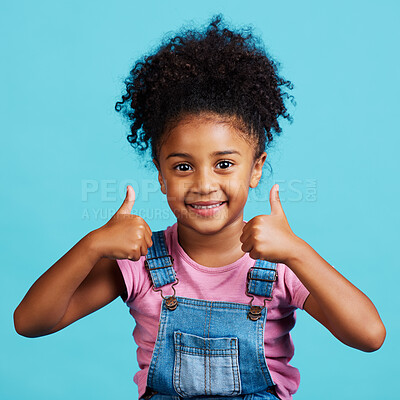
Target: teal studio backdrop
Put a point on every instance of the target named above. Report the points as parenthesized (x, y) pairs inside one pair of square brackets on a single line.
[(65, 163)]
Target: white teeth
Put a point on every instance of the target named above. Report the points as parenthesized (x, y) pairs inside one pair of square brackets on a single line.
[(204, 207)]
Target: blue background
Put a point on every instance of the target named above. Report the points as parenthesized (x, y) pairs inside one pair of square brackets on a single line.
[(63, 64)]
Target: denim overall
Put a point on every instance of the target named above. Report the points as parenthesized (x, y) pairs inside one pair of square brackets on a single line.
[(208, 349)]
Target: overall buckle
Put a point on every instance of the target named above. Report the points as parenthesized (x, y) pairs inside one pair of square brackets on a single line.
[(170, 301), (254, 313)]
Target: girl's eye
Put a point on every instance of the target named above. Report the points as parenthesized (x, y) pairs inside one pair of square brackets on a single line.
[(186, 167), (182, 167), (224, 164)]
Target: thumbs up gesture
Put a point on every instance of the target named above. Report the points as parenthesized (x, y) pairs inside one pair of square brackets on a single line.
[(125, 235), (269, 237)]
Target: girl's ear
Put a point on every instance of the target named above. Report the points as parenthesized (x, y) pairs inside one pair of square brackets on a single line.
[(160, 178), (257, 170)]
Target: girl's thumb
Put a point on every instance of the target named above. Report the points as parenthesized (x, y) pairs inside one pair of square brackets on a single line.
[(274, 200), (128, 202)]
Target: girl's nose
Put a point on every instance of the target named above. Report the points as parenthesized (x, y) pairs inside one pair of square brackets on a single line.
[(204, 182)]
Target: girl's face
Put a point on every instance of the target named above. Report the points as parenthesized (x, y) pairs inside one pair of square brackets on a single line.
[(205, 169)]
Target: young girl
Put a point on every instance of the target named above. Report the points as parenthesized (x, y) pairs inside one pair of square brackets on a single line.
[(213, 296)]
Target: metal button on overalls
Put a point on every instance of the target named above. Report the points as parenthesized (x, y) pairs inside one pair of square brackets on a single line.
[(208, 349)]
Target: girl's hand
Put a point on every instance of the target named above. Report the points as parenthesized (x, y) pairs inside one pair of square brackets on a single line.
[(269, 237), (124, 236)]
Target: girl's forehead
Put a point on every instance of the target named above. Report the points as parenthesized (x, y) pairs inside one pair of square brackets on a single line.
[(202, 134)]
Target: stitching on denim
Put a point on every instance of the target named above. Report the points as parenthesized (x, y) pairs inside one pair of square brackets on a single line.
[(205, 323), (150, 374), (205, 372), (159, 338), (207, 351), (159, 262), (179, 387), (238, 377), (227, 338), (216, 304), (155, 273), (157, 282), (204, 334), (209, 319), (176, 363), (169, 270), (233, 370), (259, 336), (264, 368), (207, 358), (209, 347), (262, 352), (182, 392), (271, 381), (180, 366)]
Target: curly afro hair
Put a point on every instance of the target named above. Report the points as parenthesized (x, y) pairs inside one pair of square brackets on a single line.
[(215, 71)]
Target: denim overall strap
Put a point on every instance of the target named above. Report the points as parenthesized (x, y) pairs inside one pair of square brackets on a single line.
[(261, 278), (158, 262)]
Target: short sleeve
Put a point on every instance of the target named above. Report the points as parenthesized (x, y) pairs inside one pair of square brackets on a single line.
[(128, 277), (298, 292), (130, 271)]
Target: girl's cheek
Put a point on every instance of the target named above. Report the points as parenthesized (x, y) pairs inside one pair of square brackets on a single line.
[(236, 189)]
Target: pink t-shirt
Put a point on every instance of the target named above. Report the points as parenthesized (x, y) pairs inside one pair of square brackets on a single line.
[(227, 283)]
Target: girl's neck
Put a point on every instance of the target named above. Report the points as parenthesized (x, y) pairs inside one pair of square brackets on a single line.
[(212, 250)]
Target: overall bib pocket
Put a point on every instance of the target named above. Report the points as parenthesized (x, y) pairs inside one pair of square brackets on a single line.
[(206, 366)]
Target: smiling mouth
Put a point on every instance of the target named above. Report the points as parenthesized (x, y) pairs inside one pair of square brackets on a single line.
[(205, 207)]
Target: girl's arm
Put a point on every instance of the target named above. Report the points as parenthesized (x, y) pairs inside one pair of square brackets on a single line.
[(342, 308), (335, 302), (78, 284), (87, 277)]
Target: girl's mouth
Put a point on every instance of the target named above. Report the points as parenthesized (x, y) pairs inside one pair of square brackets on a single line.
[(207, 210)]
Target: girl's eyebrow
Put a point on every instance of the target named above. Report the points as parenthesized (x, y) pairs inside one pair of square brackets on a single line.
[(216, 153)]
